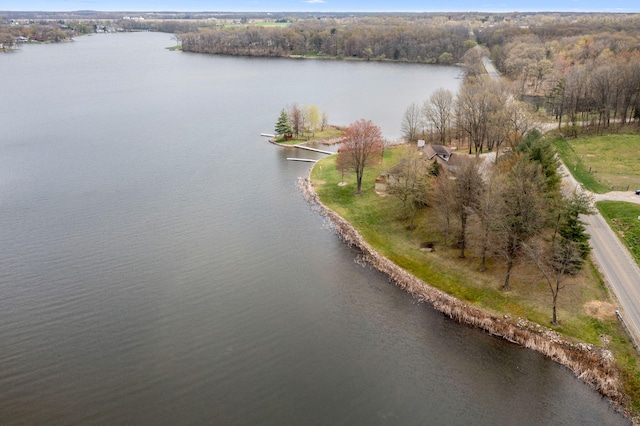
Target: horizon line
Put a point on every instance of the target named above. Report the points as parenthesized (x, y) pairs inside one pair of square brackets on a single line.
[(320, 11)]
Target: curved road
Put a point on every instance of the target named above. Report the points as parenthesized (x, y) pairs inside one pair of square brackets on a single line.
[(618, 268)]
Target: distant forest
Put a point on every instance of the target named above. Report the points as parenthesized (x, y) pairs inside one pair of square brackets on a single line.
[(432, 40)]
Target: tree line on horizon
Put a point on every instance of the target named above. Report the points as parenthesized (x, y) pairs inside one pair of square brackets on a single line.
[(380, 39)]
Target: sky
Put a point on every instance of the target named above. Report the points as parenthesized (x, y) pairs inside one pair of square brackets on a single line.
[(627, 6)]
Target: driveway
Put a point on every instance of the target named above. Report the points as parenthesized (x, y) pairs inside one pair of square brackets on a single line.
[(628, 196)]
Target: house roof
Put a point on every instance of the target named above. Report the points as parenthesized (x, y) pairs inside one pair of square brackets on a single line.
[(443, 152)]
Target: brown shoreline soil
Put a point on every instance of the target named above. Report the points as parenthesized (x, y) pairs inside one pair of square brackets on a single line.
[(589, 363)]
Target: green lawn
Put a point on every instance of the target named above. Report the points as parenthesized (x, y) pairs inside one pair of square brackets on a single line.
[(603, 163)]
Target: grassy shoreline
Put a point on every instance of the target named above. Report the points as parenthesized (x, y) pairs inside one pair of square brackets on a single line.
[(329, 133), (470, 296)]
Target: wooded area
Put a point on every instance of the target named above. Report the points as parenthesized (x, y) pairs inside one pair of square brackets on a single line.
[(588, 73), (368, 38), (582, 69)]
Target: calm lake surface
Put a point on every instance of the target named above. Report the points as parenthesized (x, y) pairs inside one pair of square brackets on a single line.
[(159, 266)]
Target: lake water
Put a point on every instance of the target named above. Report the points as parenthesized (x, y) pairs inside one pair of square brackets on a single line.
[(159, 266)]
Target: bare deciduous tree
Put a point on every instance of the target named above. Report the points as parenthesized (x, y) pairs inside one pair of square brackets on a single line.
[(521, 121), (410, 184), (361, 143), (473, 112), (442, 194), (411, 126), (438, 111), (487, 210), (467, 190), (296, 117), (556, 262), (522, 212), (523, 59), (6, 41), (324, 121), (342, 164)]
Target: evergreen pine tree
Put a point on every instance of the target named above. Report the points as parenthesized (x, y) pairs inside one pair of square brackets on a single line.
[(573, 230), (541, 151), (283, 127), (570, 227)]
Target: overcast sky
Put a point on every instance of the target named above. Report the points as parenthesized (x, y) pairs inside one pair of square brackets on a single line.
[(326, 5)]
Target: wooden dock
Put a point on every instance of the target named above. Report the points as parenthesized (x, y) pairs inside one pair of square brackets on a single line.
[(314, 149), (308, 160)]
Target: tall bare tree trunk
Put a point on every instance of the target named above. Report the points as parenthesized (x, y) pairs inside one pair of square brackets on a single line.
[(505, 286)]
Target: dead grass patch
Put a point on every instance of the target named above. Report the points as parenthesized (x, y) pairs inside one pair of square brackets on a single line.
[(600, 310)]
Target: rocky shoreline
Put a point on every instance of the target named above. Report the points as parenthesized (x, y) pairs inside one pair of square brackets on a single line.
[(589, 363)]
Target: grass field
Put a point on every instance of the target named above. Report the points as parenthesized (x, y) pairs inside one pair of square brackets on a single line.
[(624, 219), (584, 310), (603, 163)]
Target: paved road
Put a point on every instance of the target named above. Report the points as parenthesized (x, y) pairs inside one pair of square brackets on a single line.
[(618, 268), (491, 70)]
